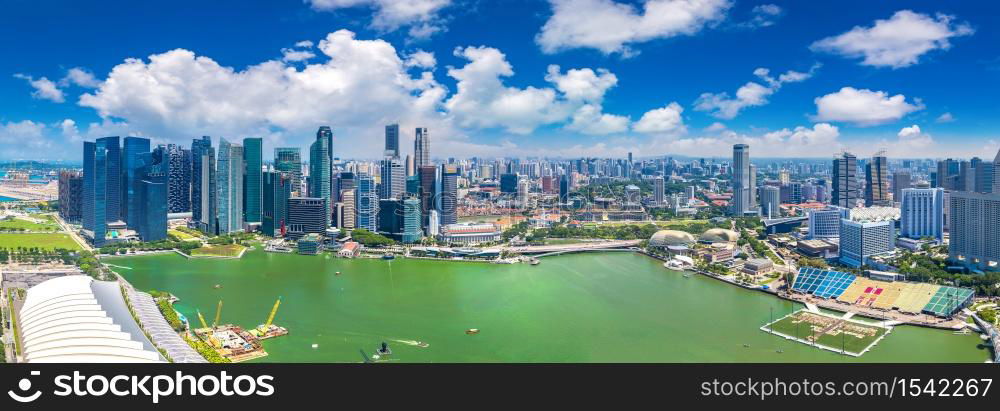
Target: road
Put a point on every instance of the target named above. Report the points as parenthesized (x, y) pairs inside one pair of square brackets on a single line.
[(73, 234)]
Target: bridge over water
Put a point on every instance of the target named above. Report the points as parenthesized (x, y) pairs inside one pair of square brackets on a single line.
[(547, 250)]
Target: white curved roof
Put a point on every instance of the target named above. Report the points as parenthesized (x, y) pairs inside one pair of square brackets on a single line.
[(62, 321)]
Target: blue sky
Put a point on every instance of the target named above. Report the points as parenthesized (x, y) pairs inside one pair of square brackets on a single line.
[(513, 77)]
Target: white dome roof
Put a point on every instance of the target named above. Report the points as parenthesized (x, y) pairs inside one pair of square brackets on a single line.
[(664, 238), (63, 321)]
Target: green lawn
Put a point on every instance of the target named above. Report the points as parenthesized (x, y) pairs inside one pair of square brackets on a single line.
[(13, 323), (229, 250), (40, 240), (49, 223), (182, 235)]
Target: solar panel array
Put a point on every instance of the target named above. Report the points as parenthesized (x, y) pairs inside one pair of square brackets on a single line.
[(947, 300), (822, 283)]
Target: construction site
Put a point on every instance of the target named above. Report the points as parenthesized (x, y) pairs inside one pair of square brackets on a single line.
[(236, 343)]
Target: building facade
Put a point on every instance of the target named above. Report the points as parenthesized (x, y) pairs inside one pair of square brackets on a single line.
[(860, 240), (253, 193), (974, 236), (922, 213), (845, 181), (305, 216), (289, 160), (277, 189), (740, 203), (229, 188), (71, 196)]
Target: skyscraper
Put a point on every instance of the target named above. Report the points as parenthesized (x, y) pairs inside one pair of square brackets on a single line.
[(71, 196), (305, 216), (564, 190), (508, 183), (393, 180), (277, 189), (422, 148), (845, 181), (366, 198), (948, 174), (877, 181), (974, 229), (132, 163), (659, 191), (151, 192), (392, 141), (741, 201), (348, 219), (770, 201), (428, 191), (114, 183), (289, 160), (253, 152), (203, 194), (179, 168), (410, 169), (229, 187), (860, 240), (922, 213), (319, 168), (95, 190), (449, 195), (900, 180), (996, 174)]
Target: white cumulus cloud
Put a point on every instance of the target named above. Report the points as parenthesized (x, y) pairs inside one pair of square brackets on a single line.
[(45, 89), (896, 42), (611, 26), (422, 16), (666, 119), (721, 105), (863, 107)]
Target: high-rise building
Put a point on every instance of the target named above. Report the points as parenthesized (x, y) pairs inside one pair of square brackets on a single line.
[(348, 218), (319, 168), (393, 180), (253, 153), (564, 190), (229, 187), (289, 160), (306, 216), (134, 148), (922, 213), (659, 191), (422, 148), (877, 181), (508, 183), (179, 169), (860, 240), (428, 191), (996, 174), (974, 231), (770, 201), (410, 169), (449, 195), (790, 193), (901, 180), (277, 189), (825, 223), (984, 174), (101, 166), (366, 203), (392, 141), (845, 181), (345, 181), (71, 196), (151, 192), (741, 180), (203, 182), (948, 174)]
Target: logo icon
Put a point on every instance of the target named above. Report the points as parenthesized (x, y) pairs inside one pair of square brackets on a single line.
[(24, 385)]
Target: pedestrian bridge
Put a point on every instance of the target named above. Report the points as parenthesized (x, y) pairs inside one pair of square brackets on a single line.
[(547, 250)]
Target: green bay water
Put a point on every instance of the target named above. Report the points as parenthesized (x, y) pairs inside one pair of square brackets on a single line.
[(595, 307)]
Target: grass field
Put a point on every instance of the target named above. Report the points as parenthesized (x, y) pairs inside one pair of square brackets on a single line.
[(49, 223), (477, 218), (40, 240), (851, 336), (182, 235), (229, 250)]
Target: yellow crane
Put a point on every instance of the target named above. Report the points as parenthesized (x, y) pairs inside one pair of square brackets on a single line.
[(202, 319), (218, 313), (270, 318)]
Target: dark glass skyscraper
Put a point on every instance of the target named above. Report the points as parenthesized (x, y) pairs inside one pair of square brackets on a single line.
[(277, 190), (151, 196), (95, 190), (71, 196), (178, 167), (253, 153), (428, 180), (132, 164), (289, 160), (392, 141), (449, 195), (305, 216), (319, 168), (845, 181), (115, 190), (877, 182)]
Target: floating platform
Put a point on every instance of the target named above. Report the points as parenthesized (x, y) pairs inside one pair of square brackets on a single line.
[(235, 343)]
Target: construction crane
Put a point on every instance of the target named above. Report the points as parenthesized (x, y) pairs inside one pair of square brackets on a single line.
[(202, 319), (270, 318), (218, 313)]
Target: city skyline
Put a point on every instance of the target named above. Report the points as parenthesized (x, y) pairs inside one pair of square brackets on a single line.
[(783, 77)]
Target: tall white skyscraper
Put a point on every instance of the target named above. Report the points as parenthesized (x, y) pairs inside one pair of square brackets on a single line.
[(229, 187), (658, 191), (770, 201), (422, 148), (741, 202), (922, 213)]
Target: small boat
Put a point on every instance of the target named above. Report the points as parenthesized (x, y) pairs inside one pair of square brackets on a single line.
[(780, 351), (388, 256), (422, 344), (746, 345), (315, 345), (217, 286), (472, 331), (535, 262), (383, 350), (688, 275), (337, 273)]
